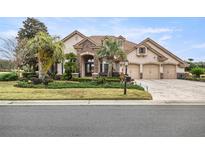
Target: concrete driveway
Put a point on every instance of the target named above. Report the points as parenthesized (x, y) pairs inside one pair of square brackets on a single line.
[(182, 90)]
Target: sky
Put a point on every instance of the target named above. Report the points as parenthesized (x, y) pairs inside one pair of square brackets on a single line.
[(184, 37)]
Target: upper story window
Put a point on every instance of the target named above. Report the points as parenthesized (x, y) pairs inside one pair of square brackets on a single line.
[(142, 50)]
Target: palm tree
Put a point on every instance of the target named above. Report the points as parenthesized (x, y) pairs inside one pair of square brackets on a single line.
[(48, 50), (112, 51)]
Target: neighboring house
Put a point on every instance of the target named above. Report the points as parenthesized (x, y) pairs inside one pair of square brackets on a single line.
[(147, 60)]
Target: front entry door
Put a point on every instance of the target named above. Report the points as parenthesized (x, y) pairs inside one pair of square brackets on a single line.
[(89, 68)]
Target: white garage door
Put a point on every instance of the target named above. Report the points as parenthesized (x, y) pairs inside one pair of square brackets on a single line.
[(169, 72), (133, 71), (151, 71)]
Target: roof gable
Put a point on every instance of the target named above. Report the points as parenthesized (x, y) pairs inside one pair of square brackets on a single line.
[(72, 34), (87, 41), (128, 46), (165, 50)]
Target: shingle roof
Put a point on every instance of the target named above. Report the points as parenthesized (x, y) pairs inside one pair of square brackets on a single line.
[(128, 46)]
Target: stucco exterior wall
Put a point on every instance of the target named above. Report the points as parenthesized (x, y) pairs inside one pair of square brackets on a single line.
[(70, 42), (152, 58), (90, 48), (149, 58), (169, 60), (69, 48), (59, 69), (180, 69)]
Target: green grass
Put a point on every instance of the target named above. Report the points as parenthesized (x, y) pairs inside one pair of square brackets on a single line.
[(4, 72), (9, 92)]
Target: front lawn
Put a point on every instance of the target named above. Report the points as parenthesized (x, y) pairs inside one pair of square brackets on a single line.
[(9, 92)]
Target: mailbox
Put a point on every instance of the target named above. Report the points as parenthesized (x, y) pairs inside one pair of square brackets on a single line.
[(128, 79)]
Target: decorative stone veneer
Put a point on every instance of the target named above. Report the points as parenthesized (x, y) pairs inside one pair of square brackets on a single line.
[(87, 48)]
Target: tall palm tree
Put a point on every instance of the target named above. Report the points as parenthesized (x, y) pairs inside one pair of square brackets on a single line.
[(112, 51), (48, 50)]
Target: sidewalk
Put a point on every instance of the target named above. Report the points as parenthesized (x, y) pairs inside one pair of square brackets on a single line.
[(103, 102)]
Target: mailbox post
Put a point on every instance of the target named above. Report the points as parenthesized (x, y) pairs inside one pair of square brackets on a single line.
[(125, 84)]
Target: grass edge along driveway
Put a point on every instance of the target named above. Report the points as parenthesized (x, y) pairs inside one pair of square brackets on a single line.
[(9, 92)]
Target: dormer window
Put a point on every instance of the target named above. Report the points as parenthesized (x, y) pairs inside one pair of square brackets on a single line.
[(142, 51)]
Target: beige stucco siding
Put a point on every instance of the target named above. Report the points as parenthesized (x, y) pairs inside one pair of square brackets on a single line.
[(68, 47), (149, 58), (59, 69), (180, 69), (169, 60), (70, 42)]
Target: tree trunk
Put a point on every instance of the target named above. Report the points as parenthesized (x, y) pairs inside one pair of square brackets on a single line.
[(41, 73), (110, 69)]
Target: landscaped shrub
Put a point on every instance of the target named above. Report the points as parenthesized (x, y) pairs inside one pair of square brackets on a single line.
[(36, 80), (23, 79), (45, 82), (102, 74), (10, 76), (70, 65), (57, 77), (29, 75), (65, 76), (195, 79), (52, 75), (112, 79), (61, 84), (107, 79), (197, 71), (81, 79), (100, 80), (115, 74)]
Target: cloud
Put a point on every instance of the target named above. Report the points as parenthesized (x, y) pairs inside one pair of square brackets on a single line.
[(164, 38), (8, 34), (199, 46), (137, 34)]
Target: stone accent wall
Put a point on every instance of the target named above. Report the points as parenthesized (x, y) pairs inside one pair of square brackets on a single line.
[(87, 48)]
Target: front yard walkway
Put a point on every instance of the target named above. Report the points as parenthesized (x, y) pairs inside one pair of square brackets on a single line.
[(175, 89), (9, 92)]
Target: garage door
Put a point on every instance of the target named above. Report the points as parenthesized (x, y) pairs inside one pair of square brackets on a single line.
[(133, 71), (151, 71), (169, 72)]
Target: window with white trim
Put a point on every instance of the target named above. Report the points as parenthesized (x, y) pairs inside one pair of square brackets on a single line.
[(142, 50)]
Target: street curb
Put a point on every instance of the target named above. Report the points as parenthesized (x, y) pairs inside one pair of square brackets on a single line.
[(101, 102)]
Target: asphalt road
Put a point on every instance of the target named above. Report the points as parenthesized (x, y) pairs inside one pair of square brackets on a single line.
[(97, 121)]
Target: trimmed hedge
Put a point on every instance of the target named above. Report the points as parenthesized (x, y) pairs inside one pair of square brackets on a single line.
[(10, 76), (107, 79), (29, 75), (195, 79), (93, 84)]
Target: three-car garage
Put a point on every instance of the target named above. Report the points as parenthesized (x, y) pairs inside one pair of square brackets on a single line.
[(152, 71)]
